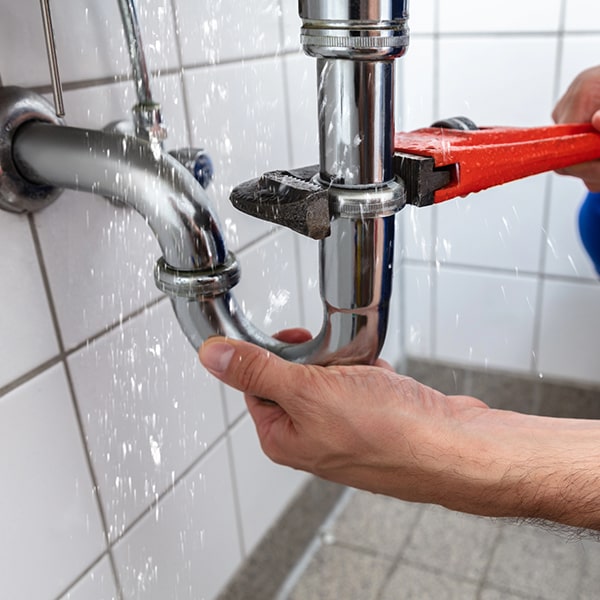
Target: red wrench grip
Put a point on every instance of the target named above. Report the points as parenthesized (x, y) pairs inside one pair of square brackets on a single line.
[(491, 156)]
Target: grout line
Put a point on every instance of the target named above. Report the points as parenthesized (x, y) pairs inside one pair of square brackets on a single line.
[(157, 73), (82, 576), (546, 214), (317, 542), (435, 266), (490, 270), (160, 497), (236, 495), (400, 557), (71, 387), (488, 564)]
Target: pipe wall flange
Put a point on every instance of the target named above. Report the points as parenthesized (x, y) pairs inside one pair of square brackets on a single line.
[(367, 202), (192, 284), (18, 106)]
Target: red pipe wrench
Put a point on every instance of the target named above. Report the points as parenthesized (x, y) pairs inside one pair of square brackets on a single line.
[(438, 163)]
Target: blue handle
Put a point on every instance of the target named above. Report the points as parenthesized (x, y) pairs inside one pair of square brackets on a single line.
[(589, 227)]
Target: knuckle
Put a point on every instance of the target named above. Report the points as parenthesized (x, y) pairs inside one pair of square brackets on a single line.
[(250, 370)]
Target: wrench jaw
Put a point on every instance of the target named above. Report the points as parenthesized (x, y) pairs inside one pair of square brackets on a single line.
[(293, 199)]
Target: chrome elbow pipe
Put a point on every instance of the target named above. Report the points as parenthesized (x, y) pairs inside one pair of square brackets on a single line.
[(196, 269), (355, 43)]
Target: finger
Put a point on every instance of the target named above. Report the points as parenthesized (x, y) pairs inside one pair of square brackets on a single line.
[(294, 336), (589, 172), (253, 370)]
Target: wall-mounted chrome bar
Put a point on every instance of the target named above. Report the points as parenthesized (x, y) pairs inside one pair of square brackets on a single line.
[(52, 58)]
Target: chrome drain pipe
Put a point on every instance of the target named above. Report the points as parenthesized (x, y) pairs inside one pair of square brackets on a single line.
[(355, 43)]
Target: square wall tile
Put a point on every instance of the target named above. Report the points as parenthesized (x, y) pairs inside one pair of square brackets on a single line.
[(485, 319), (89, 40), (226, 30), (415, 85), (51, 530), (417, 288), (149, 411), (564, 253), (570, 331), (301, 82), (508, 16), (98, 584), (100, 257), (478, 79), (579, 52), (421, 17), (418, 242), (500, 227), (187, 546), (582, 15), (291, 25), (28, 336), (238, 114), (264, 488)]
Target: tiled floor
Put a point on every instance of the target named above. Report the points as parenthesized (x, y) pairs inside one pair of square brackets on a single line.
[(378, 548)]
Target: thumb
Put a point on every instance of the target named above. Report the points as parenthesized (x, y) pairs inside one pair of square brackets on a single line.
[(251, 369)]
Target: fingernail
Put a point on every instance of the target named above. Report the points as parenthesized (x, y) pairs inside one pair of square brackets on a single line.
[(216, 357)]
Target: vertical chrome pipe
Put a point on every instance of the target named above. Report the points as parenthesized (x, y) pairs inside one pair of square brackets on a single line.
[(356, 121), (135, 47)]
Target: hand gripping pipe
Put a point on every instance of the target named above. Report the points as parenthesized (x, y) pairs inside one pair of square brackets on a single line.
[(196, 270)]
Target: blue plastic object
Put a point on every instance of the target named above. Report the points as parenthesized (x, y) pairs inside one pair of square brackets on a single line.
[(589, 227)]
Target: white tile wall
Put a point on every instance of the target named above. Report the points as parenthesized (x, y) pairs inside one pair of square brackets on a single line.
[(497, 261), (231, 79), (485, 319), (98, 584), (187, 546), (28, 337), (149, 411), (510, 15), (570, 312), (51, 528), (171, 517), (264, 488)]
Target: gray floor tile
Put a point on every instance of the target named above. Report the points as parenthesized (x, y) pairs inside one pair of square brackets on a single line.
[(446, 379), (505, 392), (489, 593), (536, 562), (377, 523), (569, 401), (412, 583), (590, 583), (455, 543), (337, 573)]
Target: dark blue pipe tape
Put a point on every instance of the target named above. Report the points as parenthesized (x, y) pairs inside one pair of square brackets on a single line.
[(589, 227)]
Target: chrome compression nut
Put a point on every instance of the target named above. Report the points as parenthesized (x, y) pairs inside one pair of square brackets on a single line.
[(193, 284), (367, 202), (368, 29)]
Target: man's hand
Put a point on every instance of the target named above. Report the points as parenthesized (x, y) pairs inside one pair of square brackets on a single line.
[(373, 429), (581, 104)]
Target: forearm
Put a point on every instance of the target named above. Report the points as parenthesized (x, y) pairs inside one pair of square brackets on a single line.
[(534, 467)]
